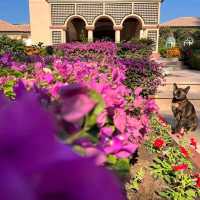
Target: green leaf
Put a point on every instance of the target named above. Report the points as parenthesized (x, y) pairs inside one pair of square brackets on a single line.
[(123, 165), (191, 193), (111, 159), (92, 117)]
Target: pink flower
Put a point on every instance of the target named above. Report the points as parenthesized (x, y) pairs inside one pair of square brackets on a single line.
[(38, 65), (54, 90), (138, 102), (48, 77), (102, 118), (138, 91), (120, 120)]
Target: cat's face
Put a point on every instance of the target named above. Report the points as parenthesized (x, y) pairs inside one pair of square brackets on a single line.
[(180, 93)]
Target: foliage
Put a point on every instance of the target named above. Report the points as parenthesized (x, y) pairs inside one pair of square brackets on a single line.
[(190, 56), (136, 49), (172, 165), (136, 180), (16, 47), (180, 35), (143, 73)]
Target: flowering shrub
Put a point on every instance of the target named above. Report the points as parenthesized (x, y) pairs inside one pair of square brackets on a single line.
[(136, 49), (113, 122), (8, 45), (143, 73)]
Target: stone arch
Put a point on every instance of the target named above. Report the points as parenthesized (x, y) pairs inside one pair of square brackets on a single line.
[(132, 26), (133, 16), (75, 16), (104, 28), (76, 28), (104, 16)]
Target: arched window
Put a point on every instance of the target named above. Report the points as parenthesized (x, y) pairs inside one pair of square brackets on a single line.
[(188, 42), (171, 42)]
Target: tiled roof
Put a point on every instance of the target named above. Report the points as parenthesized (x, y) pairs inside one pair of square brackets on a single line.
[(183, 22), (7, 27)]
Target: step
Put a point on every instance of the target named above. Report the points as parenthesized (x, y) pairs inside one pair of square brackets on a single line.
[(184, 76)]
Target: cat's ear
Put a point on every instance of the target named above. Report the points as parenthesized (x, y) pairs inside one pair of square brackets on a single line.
[(175, 86), (187, 89)]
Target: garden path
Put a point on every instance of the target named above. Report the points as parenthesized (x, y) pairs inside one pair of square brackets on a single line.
[(183, 77)]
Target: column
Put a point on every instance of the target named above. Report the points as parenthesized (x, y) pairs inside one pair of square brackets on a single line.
[(117, 36), (117, 29), (90, 35), (141, 34), (64, 36)]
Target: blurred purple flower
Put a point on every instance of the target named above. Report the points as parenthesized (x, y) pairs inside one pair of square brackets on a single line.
[(36, 166), (75, 102)]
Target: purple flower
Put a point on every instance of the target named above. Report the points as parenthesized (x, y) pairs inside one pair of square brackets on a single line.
[(35, 165), (19, 89), (75, 103), (106, 131), (120, 146)]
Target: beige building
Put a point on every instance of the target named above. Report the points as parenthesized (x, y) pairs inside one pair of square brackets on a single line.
[(15, 31), (60, 21)]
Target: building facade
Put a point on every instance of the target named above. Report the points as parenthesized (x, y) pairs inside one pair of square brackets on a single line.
[(60, 21)]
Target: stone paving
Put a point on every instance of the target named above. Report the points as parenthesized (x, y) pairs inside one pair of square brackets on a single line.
[(184, 78)]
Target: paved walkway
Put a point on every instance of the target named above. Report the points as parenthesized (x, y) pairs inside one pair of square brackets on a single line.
[(183, 78)]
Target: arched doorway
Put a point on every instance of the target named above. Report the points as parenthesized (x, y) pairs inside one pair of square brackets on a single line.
[(104, 30), (131, 29), (76, 30)]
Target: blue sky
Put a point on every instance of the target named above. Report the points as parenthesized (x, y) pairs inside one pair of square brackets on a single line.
[(16, 11)]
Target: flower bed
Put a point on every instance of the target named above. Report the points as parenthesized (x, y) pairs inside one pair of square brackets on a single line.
[(168, 169), (73, 100)]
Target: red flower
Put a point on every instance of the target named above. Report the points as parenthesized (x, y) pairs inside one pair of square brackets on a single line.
[(184, 152), (197, 179), (198, 182), (193, 143), (181, 167), (159, 143)]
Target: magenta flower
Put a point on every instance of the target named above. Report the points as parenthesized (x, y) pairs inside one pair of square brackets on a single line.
[(138, 91), (151, 106), (138, 102), (120, 120), (106, 132), (120, 146), (102, 118)]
